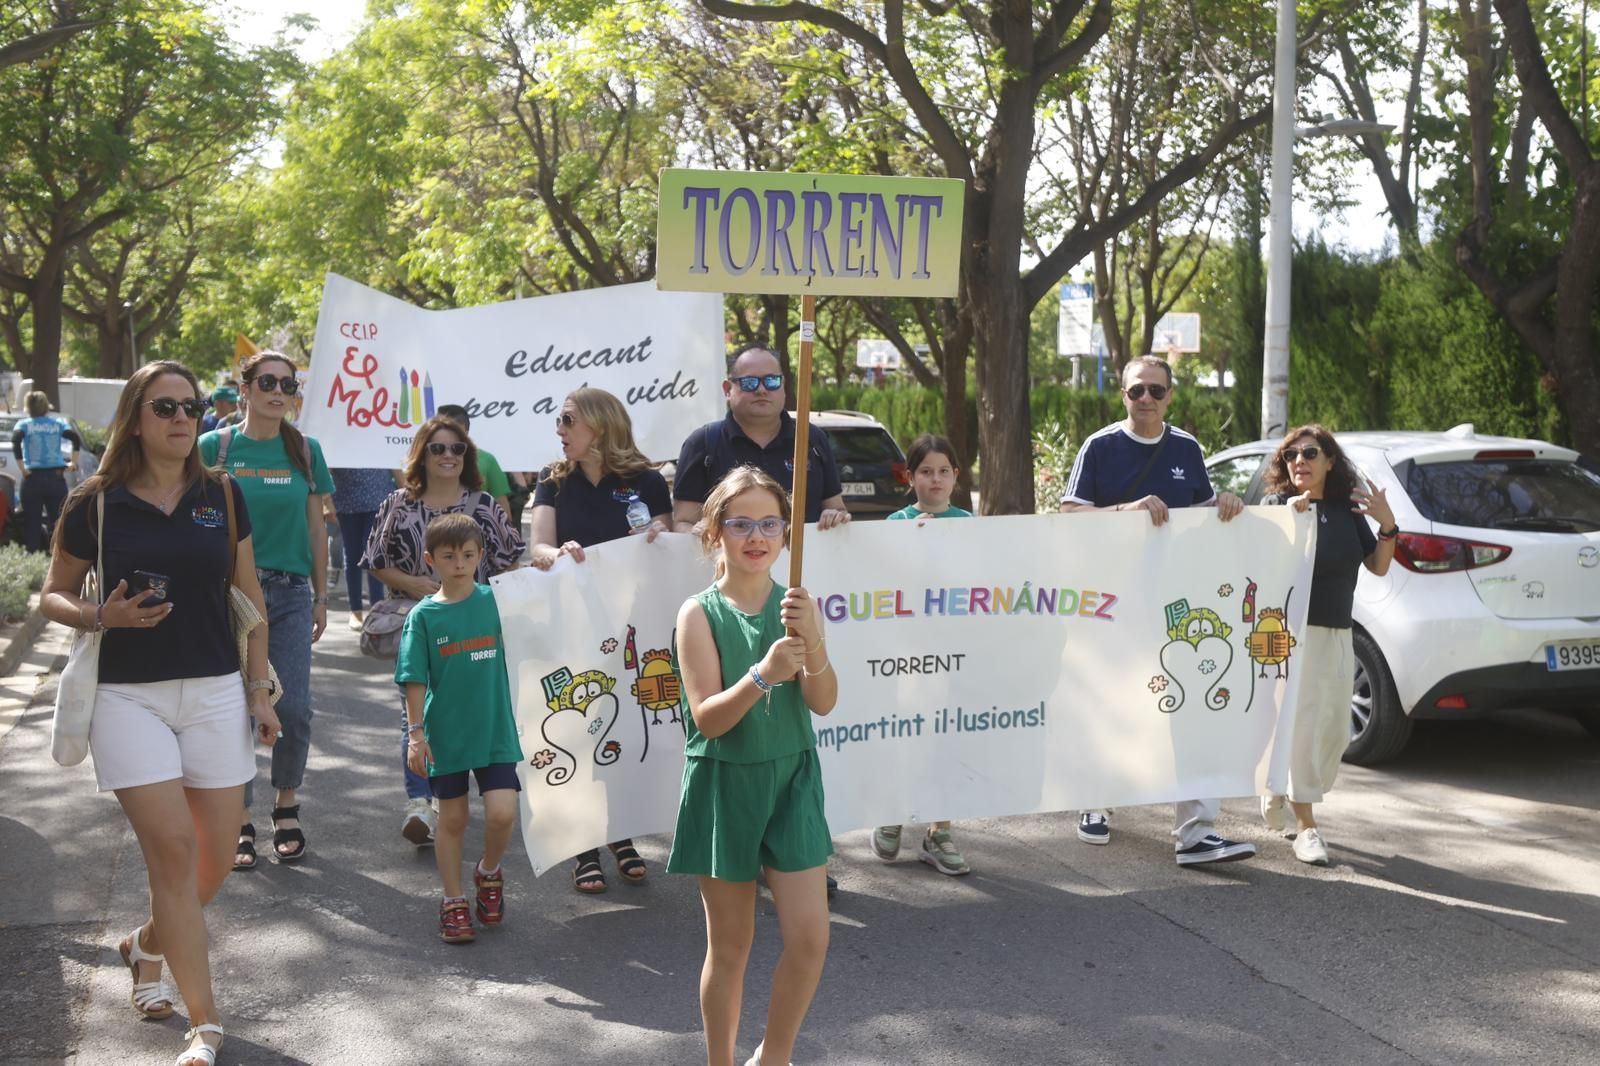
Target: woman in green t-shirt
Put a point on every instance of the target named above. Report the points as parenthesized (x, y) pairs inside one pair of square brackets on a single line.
[(752, 786), (284, 478)]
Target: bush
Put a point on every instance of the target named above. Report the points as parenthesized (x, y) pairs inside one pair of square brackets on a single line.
[(21, 573)]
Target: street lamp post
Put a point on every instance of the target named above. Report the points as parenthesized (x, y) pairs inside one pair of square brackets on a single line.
[(1280, 225), (133, 341)]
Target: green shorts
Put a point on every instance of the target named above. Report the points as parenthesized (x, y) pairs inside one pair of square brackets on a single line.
[(734, 818)]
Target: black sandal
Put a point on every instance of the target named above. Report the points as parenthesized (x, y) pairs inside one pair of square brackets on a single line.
[(282, 837), (629, 864), (244, 855), (587, 877)]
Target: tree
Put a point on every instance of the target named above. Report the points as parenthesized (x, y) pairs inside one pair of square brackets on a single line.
[(1536, 262), (1026, 54), (136, 107), (65, 23)]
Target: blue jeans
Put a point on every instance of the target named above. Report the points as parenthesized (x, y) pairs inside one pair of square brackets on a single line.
[(288, 599), (353, 530), (417, 786)]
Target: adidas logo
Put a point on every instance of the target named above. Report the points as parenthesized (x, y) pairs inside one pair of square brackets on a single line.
[(1177, 473)]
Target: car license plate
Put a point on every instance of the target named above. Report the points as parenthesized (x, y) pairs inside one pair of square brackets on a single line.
[(1573, 655), (858, 488)]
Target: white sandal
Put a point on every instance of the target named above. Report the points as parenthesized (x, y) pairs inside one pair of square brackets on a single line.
[(204, 1054), (153, 999)]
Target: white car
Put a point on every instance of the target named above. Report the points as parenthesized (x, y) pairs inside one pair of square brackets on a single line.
[(1494, 598)]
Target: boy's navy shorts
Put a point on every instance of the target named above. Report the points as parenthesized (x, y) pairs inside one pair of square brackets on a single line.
[(495, 775)]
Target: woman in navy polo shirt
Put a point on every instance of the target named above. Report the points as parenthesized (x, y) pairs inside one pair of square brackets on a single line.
[(170, 733), (603, 488)]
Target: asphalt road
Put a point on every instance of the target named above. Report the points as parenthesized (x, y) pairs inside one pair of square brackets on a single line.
[(1456, 925)]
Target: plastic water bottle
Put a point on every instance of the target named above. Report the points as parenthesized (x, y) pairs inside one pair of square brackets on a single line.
[(638, 512)]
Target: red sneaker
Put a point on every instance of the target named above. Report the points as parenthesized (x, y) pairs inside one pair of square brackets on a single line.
[(491, 895), (455, 923)]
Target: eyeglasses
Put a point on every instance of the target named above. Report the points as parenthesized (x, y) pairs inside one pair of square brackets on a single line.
[(268, 382), (772, 528), (167, 407), (1136, 392), (1310, 452), (752, 382), (566, 419), (439, 447)]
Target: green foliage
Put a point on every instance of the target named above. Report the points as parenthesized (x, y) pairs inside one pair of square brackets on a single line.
[(21, 574)]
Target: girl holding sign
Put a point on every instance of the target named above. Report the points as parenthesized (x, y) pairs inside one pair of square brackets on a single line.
[(752, 796), (934, 468)]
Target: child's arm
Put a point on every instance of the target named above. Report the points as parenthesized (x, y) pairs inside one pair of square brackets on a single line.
[(717, 710), (819, 685), (418, 754)]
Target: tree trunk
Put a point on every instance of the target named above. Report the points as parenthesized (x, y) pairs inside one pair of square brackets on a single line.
[(45, 302), (1574, 361)]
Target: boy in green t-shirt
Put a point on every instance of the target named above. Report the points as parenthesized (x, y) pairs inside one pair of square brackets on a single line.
[(458, 705)]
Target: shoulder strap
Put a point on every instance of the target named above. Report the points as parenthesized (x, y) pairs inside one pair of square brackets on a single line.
[(233, 529), (100, 549), (1132, 491), (305, 453), (224, 438), (711, 433)]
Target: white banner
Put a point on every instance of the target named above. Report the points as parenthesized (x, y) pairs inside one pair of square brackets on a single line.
[(1005, 666), (382, 367)]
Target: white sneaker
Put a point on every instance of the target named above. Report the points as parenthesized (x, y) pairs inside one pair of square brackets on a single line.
[(419, 822), (755, 1060), (1308, 848), (1275, 812)]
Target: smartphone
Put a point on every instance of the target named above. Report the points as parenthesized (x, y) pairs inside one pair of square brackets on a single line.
[(148, 588)]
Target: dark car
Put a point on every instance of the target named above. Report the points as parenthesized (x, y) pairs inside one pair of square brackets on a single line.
[(872, 468)]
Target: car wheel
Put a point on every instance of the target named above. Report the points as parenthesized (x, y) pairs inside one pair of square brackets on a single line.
[(1379, 728)]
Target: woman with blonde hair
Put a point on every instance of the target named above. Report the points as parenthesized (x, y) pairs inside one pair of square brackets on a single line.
[(440, 477), (603, 488), (170, 732)]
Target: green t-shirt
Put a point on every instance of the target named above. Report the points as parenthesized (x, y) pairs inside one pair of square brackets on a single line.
[(457, 651), (495, 482), (768, 730), (948, 512), (276, 492)]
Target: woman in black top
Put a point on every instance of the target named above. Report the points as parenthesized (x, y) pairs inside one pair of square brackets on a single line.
[(602, 489), (170, 732), (1309, 471)]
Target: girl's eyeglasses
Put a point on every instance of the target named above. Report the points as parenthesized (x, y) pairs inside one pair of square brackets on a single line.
[(167, 407), (1310, 452), (439, 447), (772, 528), (268, 382)]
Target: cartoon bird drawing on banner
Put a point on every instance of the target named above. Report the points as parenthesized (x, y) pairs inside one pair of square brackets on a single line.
[(1197, 655), (577, 702), (655, 685)]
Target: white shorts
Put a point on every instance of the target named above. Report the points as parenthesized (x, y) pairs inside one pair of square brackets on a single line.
[(196, 729)]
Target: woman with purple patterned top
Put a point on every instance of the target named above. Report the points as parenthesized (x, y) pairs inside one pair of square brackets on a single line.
[(441, 477)]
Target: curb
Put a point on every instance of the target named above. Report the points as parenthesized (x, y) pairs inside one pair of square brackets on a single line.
[(21, 641)]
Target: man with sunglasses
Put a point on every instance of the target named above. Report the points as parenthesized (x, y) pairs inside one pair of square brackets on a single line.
[(757, 432), (1143, 464)]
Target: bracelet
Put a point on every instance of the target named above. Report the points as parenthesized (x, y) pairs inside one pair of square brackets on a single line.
[(414, 729), (100, 618), (820, 642), (1390, 533), (761, 683), (319, 601), (264, 683), (817, 673)]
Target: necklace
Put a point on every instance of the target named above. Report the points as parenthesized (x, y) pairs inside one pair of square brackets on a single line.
[(165, 504)]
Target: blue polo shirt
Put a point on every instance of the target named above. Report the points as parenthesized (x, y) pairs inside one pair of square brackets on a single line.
[(191, 547), (711, 453), (591, 513), (1109, 463)]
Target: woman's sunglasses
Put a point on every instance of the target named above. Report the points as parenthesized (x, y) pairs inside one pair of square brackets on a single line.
[(771, 528), (439, 447), (268, 382), (770, 382), (1310, 452), (167, 407), (566, 420), (1136, 392)]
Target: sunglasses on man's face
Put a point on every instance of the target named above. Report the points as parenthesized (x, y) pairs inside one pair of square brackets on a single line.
[(167, 407), (268, 382), (1310, 452), (1136, 392), (741, 528), (438, 447), (752, 382)]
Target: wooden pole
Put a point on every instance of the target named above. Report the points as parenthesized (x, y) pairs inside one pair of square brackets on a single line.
[(802, 435)]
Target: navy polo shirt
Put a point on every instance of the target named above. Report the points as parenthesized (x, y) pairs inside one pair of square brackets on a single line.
[(592, 513), (1108, 466), (702, 467), (191, 547)]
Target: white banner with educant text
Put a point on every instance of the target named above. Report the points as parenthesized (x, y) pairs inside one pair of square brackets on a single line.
[(381, 367), (989, 667)]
